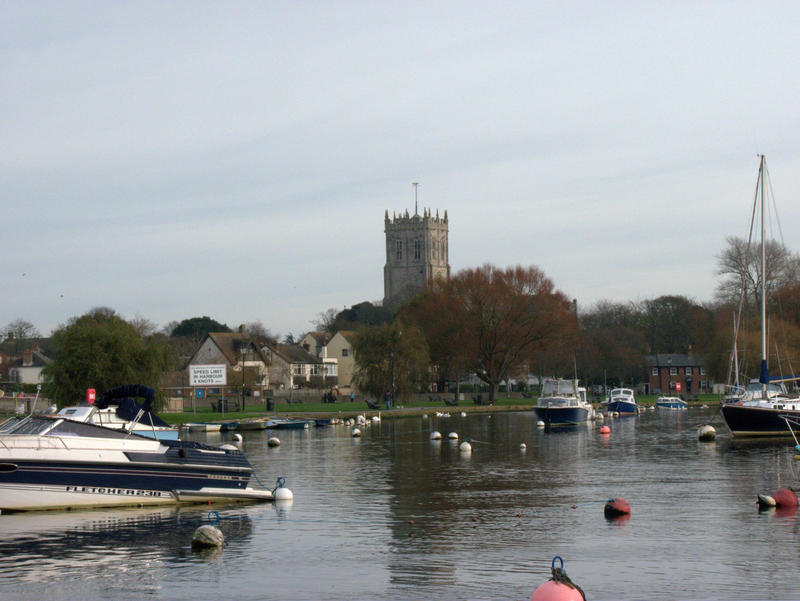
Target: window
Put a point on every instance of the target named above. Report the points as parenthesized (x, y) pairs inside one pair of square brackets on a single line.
[(702, 371), (654, 371), (673, 371), (688, 371), (399, 247), (298, 369), (417, 249), (345, 352)]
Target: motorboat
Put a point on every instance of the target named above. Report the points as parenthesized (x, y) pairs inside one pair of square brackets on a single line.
[(252, 424), (622, 401), (202, 427), (762, 408), (52, 462), (672, 403), (563, 403), (288, 423), (118, 409)]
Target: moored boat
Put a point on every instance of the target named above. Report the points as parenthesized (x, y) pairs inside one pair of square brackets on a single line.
[(562, 403), (622, 401), (288, 423), (672, 403), (51, 462), (762, 408)]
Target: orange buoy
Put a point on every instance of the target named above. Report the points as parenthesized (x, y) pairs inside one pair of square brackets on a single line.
[(559, 587), (605, 430), (785, 498), (616, 507)]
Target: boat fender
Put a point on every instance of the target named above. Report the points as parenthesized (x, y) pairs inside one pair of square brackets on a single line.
[(207, 536), (706, 433), (616, 507), (274, 441), (766, 501), (785, 498), (560, 586)]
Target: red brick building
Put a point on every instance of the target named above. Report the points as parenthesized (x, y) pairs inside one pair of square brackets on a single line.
[(675, 374)]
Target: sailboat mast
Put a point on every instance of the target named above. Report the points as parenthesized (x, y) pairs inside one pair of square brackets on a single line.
[(764, 370)]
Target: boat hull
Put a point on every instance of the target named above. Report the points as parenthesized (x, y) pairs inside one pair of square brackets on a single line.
[(563, 416), (743, 420), (622, 407)]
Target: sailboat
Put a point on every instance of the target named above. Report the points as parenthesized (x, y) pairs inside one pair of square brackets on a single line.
[(762, 407)]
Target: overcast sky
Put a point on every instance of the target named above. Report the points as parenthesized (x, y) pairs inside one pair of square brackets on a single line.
[(235, 159)]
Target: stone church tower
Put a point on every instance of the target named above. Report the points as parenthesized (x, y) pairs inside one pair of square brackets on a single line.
[(416, 253)]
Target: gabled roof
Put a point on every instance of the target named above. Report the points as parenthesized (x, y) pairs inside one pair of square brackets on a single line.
[(229, 344), (349, 335), (674, 360), (321, 337), (293, 353)]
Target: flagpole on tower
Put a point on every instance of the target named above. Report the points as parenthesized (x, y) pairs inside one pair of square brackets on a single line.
[(416, 185)]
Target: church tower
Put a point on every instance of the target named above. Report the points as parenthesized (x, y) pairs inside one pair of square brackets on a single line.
[(416, 252)]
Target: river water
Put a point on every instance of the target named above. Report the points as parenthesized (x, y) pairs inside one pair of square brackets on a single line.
[(393, 515)]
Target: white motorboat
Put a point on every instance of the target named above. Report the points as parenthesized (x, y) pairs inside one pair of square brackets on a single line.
[(563, 403), (51, 462)]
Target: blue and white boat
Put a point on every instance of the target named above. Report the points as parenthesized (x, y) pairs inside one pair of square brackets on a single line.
[(622, 401), (563, 403), (52, 462), (672, 403)]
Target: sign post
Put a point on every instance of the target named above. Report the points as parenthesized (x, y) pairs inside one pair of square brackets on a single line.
[(207, 375)]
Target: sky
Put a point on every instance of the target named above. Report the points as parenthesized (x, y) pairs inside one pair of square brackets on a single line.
[(235, 159)]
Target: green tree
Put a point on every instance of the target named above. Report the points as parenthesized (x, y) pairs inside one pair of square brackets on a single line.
[(391, 357), (101, 350), (198, 327)]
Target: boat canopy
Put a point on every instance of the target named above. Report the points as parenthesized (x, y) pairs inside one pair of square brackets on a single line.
[(128, 408)]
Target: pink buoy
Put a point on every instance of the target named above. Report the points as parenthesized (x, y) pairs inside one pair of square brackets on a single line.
[(605, 430), (559, 587), (785, 498), (616, 507)]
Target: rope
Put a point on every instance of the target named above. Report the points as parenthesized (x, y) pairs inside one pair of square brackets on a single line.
[(560, 575), (279, 483)]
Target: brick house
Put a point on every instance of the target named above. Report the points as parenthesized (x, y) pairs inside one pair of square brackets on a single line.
[(677, 374)]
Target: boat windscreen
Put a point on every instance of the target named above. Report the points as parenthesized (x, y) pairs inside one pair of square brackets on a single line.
[(32, 425), (68, 427)]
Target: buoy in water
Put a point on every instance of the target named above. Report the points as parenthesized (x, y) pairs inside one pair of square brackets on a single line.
[(540, 424), (605, 430), (706, 433), (465, 447), (601, 417), (463, 414), (785, 498), (274, 441), (237, 437), (207, 536), (523, 446), (616, 508), (766, 501), (356, 432), (436, 435), (559, 588), (453, 436), (283, 494)]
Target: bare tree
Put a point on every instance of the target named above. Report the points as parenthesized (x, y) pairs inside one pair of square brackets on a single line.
[(19, 329)]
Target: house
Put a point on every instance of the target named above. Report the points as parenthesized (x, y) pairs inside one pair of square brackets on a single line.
[(28, 368), (292, 366), (246, 365), (340, 349), (316, 343), (677, 374)]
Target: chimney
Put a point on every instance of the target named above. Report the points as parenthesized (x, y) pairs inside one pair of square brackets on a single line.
[(27, 358)]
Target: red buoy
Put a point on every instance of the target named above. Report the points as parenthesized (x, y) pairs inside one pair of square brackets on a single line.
[(556, 591), (616, 507), (605, 430), (785, 498)]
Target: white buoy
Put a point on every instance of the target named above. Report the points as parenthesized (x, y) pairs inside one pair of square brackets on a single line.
[(523, 446), (452, 436), (465, 447), (283, 494), (237, 437), (707, 433), (229, 447), (424, 416), (463, 414), (274, 441), (356, 433), (540, 424), (601, 417), (435, 435), (207, 536), (766, 501), (376, 419)]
